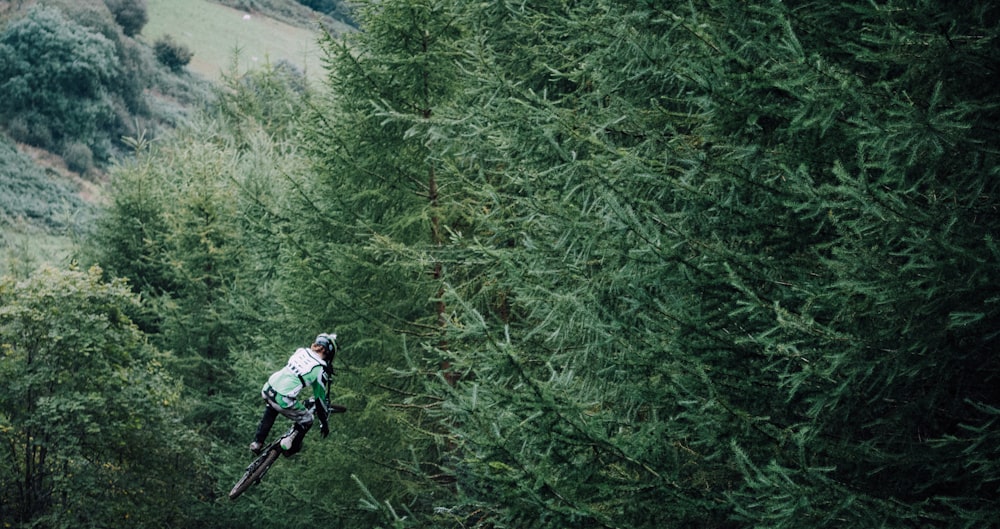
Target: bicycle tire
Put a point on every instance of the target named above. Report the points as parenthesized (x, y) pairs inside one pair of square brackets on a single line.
[(253, 474)]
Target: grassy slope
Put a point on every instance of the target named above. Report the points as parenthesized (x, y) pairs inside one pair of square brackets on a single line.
[(42, 208), (215, 33)]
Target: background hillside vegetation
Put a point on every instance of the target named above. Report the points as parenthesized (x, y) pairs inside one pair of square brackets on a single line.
[(607, 264), (76, 81), (73, 82)]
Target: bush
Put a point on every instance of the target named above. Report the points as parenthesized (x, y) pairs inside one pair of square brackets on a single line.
[(30, 128), (78, 157), (131, 15), (335, 8), (171, 53)]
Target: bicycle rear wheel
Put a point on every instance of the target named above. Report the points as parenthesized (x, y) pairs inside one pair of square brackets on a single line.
[(254, 472)]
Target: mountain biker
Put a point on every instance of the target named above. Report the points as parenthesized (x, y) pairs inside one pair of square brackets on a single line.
[(281, 393)]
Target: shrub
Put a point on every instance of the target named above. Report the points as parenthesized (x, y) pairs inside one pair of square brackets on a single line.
[(30, 128), (78, 157), (171, 53), (131, 15)]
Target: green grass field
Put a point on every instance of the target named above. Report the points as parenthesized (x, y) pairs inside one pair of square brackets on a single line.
[(216, 33)]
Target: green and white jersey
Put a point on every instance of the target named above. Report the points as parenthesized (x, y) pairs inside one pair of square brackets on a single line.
[(304, 368)]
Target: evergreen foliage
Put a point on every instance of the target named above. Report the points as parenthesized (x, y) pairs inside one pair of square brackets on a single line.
[(372, 238), (605, 264), (175, 231), (198, 222), (737, 274)]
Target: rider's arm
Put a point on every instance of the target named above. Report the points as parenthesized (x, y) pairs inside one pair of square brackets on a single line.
[(319, 385), (322, 409)]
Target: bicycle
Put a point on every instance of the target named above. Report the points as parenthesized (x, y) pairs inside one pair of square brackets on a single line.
[(256, 470)]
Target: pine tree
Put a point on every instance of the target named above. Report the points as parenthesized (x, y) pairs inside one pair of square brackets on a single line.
[(705, 264), (373, 231), (198, 224), (561, 419), (738, 264)]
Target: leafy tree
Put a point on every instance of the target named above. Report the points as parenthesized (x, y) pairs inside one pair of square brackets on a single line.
[(87, 412), (136, 94), (55, 75), (78, 157)]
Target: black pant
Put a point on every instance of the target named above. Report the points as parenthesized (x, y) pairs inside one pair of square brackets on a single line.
[(267, 421)]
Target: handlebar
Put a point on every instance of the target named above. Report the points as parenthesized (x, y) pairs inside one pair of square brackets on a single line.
[(332, 408)]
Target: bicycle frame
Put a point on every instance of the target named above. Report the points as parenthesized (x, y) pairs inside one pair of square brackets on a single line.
[(259, 467), (256, 470)]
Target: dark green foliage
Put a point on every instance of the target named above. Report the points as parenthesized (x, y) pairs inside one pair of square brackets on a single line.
[(131, 15), (71, 96), (173, 230), (378, 189), (373, 237), (196, 222), (735, 265), (30, 128), (171, 53), (337, 9), (603, 264), (86, 410), (55, 74)]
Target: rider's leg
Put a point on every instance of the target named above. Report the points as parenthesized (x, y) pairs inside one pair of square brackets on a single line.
[(266, 422), (303, 421), (293, 443), (271, 408)]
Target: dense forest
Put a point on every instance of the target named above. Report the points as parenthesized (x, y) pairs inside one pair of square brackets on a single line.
[(606, 263)]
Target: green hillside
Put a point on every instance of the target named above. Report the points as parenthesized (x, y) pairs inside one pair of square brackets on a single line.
[(34, 159), (215, 33)]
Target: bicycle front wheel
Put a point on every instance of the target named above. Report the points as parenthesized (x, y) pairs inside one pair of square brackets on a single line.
[(254, 472)]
